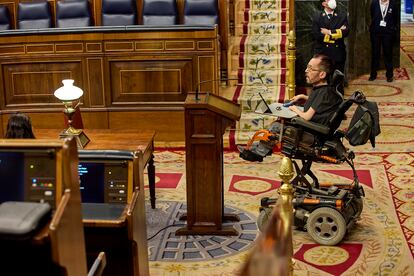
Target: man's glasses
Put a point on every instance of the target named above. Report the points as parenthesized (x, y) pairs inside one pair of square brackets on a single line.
[(309, 68)]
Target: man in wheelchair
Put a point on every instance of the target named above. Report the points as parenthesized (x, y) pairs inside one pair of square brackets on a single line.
[(326, 211), (319, 107)]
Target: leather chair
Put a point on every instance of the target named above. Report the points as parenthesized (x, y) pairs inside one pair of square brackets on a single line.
[(119, 12), (73, 13), (34, 15), (159, 12), (201, 12), (4, 18)]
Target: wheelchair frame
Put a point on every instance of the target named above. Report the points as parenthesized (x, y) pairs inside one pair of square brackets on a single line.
[(325, 211)]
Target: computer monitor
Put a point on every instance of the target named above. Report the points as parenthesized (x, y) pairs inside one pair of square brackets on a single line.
[(28, 175), (104, 176)]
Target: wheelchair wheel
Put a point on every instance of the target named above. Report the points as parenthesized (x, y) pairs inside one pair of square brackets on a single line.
[(264, 215), (326, 226)]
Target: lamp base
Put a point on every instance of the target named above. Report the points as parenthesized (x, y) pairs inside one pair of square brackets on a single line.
[(81, 139)]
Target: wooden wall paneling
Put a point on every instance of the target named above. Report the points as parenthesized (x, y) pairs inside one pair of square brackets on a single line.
[(49, 119), (94, 119), (95, 81), (150, 79), (56, 120), (12, 49), (207, 73), (145, 73), (3, 125), (33, 81), (168, 124), (2, 89)]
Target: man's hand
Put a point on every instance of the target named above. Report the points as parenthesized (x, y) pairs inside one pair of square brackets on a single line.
[(294, 109), (325, 31), (343, 27), (298, 98)]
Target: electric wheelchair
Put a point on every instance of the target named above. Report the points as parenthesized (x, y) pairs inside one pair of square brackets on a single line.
[(325, 211)]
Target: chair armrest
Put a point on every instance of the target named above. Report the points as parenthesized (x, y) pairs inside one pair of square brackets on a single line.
[(322, 129)]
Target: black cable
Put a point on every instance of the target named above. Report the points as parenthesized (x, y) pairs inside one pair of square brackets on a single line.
[(162, 229)]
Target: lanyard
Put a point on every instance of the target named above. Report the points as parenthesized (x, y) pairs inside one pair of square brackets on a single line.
[(384, 11)]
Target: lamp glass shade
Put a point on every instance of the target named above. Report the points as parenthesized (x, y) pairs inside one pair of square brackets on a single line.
[(68, 92)]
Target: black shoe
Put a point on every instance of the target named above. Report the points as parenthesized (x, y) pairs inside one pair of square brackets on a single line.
[(371, 78), (248, 155), (390, 79)]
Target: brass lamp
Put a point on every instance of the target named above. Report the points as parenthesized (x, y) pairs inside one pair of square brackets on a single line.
[(70, 95)]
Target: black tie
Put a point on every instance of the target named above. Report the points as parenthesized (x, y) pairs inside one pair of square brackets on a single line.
[(329, 16)]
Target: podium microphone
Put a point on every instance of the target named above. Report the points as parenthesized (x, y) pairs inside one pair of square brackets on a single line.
[(207, 81)]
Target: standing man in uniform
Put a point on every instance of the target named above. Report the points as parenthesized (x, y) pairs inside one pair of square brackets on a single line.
[(329, 28), (384, 25)]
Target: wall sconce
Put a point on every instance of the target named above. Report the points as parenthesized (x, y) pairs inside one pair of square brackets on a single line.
[(70, 95)]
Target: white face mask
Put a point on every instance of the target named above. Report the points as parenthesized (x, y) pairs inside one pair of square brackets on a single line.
[(332, 4)]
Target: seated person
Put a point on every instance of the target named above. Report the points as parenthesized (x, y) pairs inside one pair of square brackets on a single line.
[(319, 106), (19, 126)]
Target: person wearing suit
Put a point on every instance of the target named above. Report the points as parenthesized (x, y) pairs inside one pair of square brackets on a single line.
[(384, 25), (329, 28)]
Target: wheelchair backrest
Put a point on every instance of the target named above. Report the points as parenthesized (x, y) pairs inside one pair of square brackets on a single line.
[(364, 123)]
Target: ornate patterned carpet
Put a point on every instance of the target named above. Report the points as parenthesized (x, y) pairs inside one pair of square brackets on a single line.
[(261, 41), (381, 243)]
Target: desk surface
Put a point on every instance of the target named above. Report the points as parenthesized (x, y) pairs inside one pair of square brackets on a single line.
[(109, 139), (117, 139)]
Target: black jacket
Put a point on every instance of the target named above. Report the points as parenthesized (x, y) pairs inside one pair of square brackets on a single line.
[(331, 45), (391, 18)]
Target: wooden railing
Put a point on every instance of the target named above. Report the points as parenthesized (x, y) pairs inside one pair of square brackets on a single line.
[(273, 252)]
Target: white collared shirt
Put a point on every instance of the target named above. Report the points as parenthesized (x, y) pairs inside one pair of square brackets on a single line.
[(384, 7)]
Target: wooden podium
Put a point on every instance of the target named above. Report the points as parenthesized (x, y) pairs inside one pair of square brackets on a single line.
[(205, 122)]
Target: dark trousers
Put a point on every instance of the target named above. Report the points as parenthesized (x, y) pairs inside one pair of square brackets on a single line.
[(384, 41)]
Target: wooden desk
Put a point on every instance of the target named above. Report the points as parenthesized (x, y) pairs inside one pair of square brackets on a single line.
[(118, 140), (59, 245)]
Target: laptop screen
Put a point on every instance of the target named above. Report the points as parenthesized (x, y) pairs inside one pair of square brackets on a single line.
[(263, 107)]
